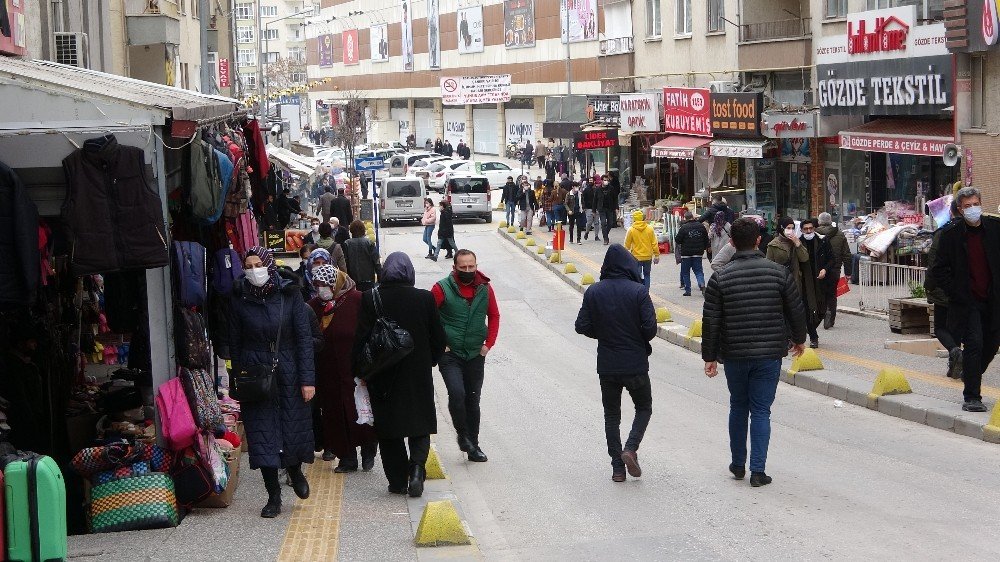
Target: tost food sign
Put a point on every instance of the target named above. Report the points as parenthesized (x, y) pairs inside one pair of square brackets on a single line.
[(736, 114)]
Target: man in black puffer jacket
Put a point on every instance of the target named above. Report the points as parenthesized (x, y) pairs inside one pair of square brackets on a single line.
[(692, 239), (750, 306), (619, 314)]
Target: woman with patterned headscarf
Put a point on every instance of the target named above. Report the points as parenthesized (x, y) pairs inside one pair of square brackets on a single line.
[(268, 322), (336, 304)]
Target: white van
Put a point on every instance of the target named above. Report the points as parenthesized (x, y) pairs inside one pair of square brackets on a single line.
[(401, 199), (469, 195)]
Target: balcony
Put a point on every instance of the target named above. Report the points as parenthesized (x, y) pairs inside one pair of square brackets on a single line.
[(617, 46), (149, 23), (776, 44)]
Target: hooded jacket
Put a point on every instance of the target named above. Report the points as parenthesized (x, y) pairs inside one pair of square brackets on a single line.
[(692, 238), (19, 266), (640, 239), (619, 314), (509, 193), (841, 250)]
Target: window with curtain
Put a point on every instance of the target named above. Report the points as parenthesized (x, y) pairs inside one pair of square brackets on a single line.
[(716, 13), (653, 18), (244, 34), (682, 13), (244, 11)]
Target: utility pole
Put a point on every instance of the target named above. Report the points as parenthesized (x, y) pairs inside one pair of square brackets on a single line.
[(260, 59), (569, 64)]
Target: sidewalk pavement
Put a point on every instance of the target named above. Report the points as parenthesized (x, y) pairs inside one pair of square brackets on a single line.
[(853, 352)]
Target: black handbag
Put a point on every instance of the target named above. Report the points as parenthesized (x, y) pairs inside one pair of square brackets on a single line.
[(257, 383), (387, 344)]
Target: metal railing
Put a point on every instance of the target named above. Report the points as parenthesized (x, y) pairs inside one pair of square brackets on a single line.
[(774, 30), (878, 282), (617, 46)]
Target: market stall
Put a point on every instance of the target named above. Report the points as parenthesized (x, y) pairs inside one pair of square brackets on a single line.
[(128, 191)]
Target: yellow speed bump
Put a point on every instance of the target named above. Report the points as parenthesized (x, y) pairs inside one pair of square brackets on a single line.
[(808, 361), (991, 431), (570, 268), (587, 279), (433, 466), (555, 258), (512, 229), (663, 315), (441, 526), (890, 381), (503, 224), (520, 235), (530, 242), (541, 250), (695, 330)]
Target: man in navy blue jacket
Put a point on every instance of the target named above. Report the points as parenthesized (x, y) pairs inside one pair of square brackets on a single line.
[(619, 314)]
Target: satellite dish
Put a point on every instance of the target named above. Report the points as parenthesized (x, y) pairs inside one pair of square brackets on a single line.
[(950, 154)]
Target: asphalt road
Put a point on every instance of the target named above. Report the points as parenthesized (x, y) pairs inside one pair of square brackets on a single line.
[(848, 482)]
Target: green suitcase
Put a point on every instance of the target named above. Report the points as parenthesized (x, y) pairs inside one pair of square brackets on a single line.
[(36, 509)]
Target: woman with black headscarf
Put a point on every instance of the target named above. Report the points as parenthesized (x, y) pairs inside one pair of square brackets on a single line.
[(279, 430), (403, 395)]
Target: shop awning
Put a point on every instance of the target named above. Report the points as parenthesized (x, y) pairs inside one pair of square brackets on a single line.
[(738, 148), (900, 136), (678, 146), (290, 161)]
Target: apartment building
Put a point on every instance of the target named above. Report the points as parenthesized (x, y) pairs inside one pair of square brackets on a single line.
[(478, 72), (270, 33)]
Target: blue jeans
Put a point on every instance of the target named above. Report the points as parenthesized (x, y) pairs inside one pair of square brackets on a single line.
[(687, 264), (550, 219), (452, 246), (511, 213), (609, 219), (560, 213), (428, 231), (647, 266), (752, 384)]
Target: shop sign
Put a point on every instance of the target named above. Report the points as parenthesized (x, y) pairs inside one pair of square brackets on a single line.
[(223, 73), (639, 112), (462, 90), (736, 114), (325, 50), (789, 125), (596, 140), (350, 40), (889, 34), (686, 111), (519, 23), (904, 87), (603, 108), (893, 144)]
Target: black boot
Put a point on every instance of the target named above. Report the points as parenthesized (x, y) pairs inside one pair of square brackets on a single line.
[(299, 483), (463, 442), (417, 475), (273, 507), (368, 452)]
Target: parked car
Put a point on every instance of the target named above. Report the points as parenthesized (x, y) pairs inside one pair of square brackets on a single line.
[(496, 172), (419, 168), (401, 199), (470, 196), (438, 172)]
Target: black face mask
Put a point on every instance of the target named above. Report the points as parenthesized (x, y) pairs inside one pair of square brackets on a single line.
[(466, 277)]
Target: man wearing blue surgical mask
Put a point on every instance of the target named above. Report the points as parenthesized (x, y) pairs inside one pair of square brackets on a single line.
[(967, 267)]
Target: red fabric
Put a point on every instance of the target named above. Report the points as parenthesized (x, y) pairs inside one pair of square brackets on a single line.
[(335, 380), (255, 146), (468, 292), (979, 269)]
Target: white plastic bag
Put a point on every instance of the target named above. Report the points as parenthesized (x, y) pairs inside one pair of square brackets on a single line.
[(363, 402)]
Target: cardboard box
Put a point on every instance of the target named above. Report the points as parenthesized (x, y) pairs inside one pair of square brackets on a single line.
[(225, 499)]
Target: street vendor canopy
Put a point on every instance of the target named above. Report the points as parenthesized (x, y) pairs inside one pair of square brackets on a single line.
[(678, 146), (900, 136), (299, 165)]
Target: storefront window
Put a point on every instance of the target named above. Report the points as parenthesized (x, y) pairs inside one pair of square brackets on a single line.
[(855, 200), (831, 181)]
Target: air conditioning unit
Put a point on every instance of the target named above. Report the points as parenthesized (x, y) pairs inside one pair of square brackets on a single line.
[(722, 86), (72, 48)]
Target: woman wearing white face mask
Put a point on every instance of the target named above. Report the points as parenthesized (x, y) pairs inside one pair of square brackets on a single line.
[(268, 323), (787, 249), (337, 304)]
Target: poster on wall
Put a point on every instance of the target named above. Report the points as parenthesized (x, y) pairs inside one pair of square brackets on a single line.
[(519, 23), (582, 20), (12, 27), (454, 125), (379, 35), (462, 90), (520, 125), (350, 44), (434, 33), (795, 150), (470, 30), (325, 50), (407, 32)]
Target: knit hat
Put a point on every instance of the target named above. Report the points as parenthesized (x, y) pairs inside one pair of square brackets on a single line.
[(637, 215)]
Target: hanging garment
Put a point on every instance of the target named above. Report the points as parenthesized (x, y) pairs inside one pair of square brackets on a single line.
[(19, 258)]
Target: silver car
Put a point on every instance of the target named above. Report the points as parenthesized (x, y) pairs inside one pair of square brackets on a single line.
[(401, 199), (469, 195)]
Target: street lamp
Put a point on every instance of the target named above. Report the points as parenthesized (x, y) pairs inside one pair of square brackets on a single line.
[(263, 60)]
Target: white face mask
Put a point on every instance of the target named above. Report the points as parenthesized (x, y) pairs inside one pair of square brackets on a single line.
[(809, 236), (258, 276), (973, 214), (789, 232), (325, 293), (315, 228)]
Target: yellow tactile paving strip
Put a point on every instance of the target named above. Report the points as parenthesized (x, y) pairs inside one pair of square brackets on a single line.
[(875, 366), (314, 531)]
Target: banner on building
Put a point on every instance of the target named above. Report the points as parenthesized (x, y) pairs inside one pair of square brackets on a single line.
[(349, 39), (379, 39), (434, 33), (736, 114), (470, 30), (639, 112), (519, 23), (462, 90), (686, 111), (325, 50), (406, 24), (223, 73), (582, 20)]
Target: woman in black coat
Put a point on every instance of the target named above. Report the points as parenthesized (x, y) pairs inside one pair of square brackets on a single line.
[(403, 396), (279, 431), (446, 231)]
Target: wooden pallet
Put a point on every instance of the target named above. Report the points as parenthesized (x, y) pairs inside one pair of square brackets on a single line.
[(910, 316)]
